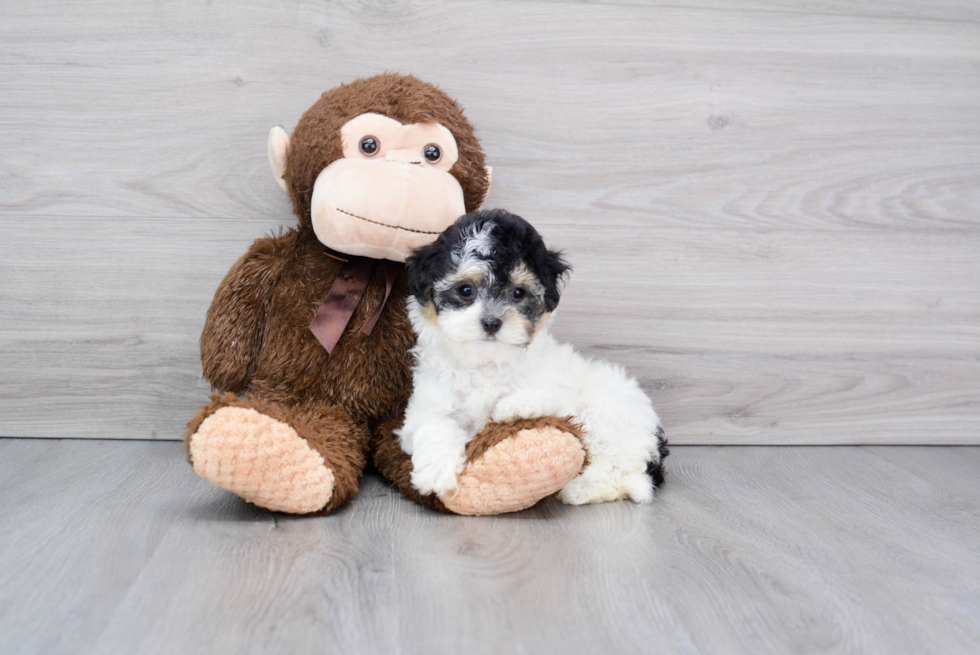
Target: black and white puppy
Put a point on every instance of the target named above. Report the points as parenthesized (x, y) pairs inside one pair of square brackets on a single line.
[(481, 300)]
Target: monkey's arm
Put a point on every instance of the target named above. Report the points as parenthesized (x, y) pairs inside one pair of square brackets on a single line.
[(233, 329)]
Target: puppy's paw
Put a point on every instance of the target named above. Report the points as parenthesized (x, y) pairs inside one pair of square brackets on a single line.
[(436, 476), (601, 483), (575, 494)]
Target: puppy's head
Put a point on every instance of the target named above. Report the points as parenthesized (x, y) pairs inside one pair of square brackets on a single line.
[(489, 277)]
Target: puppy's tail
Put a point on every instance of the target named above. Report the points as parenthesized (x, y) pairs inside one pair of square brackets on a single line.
[(655, 469)]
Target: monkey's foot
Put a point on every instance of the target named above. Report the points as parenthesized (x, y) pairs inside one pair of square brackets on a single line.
[(261, 459), (534, 459)]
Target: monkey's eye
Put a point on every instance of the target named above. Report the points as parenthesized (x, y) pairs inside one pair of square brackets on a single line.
[(369, 146), (518, 294), (465, 290), (432, 153)]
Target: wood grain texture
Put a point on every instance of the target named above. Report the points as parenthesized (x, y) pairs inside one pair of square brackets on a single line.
[(738, 337), (114, 547), (773, 208), (716, 116), (955, 469)]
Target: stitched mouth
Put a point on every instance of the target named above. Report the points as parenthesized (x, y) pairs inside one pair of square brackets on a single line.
[(391, 227)]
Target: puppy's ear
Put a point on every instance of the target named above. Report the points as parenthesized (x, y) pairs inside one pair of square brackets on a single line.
[(425, 266), (554, 270)]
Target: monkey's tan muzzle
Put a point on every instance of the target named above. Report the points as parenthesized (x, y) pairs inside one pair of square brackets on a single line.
[(383, 209)]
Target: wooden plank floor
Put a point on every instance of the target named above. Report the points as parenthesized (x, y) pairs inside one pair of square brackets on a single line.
[(772, 207), (117, 547)]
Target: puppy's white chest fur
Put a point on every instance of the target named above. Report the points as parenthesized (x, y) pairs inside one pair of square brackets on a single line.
[(526, 382), (479, 391)]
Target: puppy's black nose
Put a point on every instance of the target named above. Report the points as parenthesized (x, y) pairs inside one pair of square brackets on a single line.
[(491, 324)]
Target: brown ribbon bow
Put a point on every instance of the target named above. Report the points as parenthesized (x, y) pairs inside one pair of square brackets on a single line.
[(345, 293)]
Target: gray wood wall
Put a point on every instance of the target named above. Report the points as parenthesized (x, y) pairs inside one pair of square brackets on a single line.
[(773, 208)]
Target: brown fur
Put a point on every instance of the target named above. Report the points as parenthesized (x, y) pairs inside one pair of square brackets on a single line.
[(256, 336), (405, 98)]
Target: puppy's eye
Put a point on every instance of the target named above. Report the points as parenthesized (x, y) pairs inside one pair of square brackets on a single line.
[(432, 153), (369, 146), (518, 294), (465, 290)]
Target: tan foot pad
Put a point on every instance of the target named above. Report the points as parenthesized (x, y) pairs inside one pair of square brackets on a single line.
[(517, 472), (262, 460)]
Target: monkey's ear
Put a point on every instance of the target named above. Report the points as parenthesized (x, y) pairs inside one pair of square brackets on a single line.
[(489, 182), (278, 151), (486, 192)]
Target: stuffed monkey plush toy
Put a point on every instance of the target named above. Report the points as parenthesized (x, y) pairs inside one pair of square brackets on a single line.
[(308, 337)]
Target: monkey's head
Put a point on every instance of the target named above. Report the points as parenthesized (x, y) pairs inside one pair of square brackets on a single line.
[(381, 166)]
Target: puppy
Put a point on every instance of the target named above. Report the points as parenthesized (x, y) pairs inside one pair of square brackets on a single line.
[(481, 299)]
